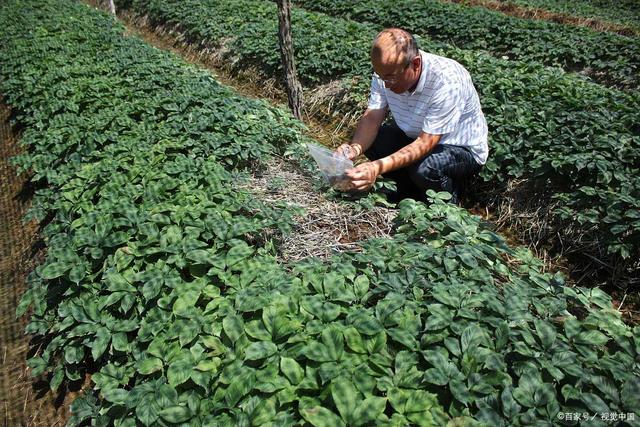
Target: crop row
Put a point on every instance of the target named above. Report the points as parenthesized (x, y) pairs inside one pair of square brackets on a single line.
[(610, 59), (623, 12), (160, 280), (574, 144)]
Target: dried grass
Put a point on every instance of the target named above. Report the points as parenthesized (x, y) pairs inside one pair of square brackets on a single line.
[(327, 226)]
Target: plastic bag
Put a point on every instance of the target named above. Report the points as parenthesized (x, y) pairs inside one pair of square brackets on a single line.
[(332, 165)]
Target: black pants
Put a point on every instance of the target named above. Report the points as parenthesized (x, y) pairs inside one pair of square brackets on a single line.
[(445, 168)]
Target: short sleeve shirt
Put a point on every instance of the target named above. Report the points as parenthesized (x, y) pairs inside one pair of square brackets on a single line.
[(444, 102)]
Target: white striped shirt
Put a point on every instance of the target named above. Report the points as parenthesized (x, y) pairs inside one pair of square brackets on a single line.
[(444, 102)]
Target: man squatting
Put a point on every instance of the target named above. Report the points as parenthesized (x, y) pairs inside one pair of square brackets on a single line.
[(439, 137)]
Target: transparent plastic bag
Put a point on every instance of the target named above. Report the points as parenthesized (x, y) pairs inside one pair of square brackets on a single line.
[(332, 165)]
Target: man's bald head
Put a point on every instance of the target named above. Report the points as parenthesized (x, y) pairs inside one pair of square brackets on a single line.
[(393, 46)]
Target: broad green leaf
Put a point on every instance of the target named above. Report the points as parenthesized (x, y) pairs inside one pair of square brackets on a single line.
[(369, 410), (149, 365), (420, 401), (510, 407), (572, 327), (100, 344), (152, 286), (546, 333), (460, 391), (179, 372), (208, 365), (147, 410), (471, 338), (404, 337), (376, 343), (354, 340), (630, 393), (345, 397), (365, 324), (321, 417), (594, 403), (593, 338), (239, 388), (526, 389), (361, 286), (260, 350), (398, 399), (53, 270), (117, 396), (318, 352), (334, 341), (292, 370), (233, 327), (176, 414), (237, 253)]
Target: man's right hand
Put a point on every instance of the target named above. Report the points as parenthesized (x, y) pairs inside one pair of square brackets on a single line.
[(349, 151)]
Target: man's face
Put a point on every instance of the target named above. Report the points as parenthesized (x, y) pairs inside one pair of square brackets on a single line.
[(398, 78)]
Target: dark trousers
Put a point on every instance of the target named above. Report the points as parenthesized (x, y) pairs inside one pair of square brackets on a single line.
[(445, 168)]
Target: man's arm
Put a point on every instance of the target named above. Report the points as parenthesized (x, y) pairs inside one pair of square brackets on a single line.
[(365, 133), (408, 154), (363, 176)]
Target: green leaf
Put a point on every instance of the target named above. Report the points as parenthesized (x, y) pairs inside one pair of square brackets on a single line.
[(398, 399), (592, 338), (460, 391), (117, 396), (318, 352), (214, 344), (630, 393), (510, 407), (237, 253), (572, 327), (176, 414), (365, 324), (100, 344), (239, 388), (53, 270), (233, 327), (208, 365), (152, 287), (594, 403), (404, 337), (321, 417), (546, 333), (526, 389), (260, 350), (292, 370), (369, 410), (56, 380), (147, 410), (149, 365), (345, 397), (420, 401), (333, 339), (471, 337), (179, 372), (361, 286), (354, 340)]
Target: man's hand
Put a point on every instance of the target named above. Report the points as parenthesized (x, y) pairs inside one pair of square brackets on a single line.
[(363, 176), (349, 151)]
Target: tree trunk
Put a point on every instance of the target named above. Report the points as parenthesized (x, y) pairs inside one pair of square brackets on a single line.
[(294, 89), (112, 7)]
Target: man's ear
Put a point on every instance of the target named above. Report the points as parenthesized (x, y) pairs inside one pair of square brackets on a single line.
[(415, 62)]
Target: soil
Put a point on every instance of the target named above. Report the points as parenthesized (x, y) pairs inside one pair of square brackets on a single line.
[(26, 401)]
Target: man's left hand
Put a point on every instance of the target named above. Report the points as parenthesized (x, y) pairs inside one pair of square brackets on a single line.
[(363, 176)]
